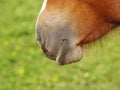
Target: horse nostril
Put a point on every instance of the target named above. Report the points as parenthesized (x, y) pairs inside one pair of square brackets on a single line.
[(63, 40)]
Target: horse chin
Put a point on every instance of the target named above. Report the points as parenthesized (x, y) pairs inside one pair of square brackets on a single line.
[(73, 54)]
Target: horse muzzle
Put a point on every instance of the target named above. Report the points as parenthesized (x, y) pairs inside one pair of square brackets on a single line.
[(59, 43)]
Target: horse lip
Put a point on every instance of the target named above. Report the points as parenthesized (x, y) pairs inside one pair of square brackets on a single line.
[(60, 61), (52, 57), (49, 55)]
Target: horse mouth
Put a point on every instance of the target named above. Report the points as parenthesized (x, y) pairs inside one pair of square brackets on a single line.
[(73, 55), (66, 54), (68, 58)]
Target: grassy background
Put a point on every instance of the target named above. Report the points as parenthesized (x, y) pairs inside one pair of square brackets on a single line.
[(24, 67)]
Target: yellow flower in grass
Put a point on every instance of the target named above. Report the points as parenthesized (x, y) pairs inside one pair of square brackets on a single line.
[(14, 54), (21, 72), (55, 79), (6, 43), (31, 49), (17, 47)]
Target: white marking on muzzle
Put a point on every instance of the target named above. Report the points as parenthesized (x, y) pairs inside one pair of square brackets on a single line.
[(43, 6), (42, 9)]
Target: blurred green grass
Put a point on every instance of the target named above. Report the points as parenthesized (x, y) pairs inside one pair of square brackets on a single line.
[(23, 66)]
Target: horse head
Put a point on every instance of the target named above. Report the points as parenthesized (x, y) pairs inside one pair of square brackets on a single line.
[(64, 26)]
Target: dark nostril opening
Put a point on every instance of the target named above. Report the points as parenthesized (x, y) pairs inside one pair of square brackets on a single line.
[(63, 39)]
